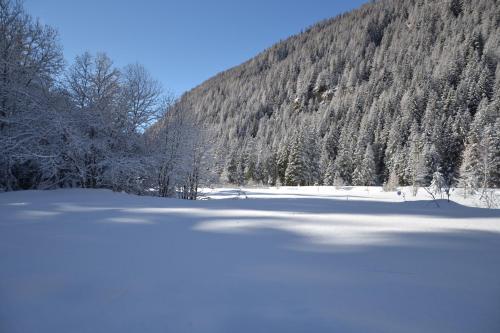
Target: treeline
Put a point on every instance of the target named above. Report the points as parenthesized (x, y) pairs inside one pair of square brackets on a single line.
[(84, 126), (397, 92)]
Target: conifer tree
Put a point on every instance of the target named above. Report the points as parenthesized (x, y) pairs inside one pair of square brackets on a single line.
[(297, 165), (364, 174), (282, 162), (456, 7), (329, 176), (312, 156)]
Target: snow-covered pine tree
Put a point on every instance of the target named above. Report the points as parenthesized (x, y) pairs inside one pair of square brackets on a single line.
[(283, 160), (495, 154), (271, 169), (329, 176), (438, 183), (296, 170), (312, 156), (476, 162), (232, 168), (364, 174)]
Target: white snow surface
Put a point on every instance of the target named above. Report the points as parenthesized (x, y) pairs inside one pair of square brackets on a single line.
[(286, 260)]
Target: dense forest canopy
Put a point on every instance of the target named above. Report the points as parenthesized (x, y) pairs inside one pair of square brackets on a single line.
[(394, 92)]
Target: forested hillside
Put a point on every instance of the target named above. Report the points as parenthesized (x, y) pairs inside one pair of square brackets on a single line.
[(398, 92)]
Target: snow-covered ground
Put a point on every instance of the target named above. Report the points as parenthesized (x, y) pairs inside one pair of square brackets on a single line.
[(286, 260), (364, 193)]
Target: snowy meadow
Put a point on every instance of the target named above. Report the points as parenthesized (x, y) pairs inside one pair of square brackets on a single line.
[(389, 110), (292, 259)]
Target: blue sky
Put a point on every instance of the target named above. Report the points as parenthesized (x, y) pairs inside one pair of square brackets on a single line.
[(182, 43)]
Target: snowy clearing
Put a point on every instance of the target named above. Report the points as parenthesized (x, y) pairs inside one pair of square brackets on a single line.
[(286, 260)]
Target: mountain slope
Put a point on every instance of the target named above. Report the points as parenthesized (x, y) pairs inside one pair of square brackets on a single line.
[(396, 91)]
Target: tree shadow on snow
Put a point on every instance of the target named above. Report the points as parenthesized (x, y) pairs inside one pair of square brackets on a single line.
[(144, 264), (352, 206)]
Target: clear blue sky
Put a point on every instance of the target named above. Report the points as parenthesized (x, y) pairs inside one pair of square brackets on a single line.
[(183, 42)]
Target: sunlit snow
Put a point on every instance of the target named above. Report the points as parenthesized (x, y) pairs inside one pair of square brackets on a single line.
[(281, 260)]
